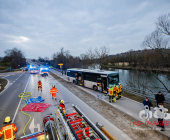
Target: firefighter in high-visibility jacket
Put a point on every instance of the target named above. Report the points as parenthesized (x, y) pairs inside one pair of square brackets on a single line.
[(120, 90), (117, 92), (111, 96), (53, 91), (39, 85), (62, 105), (8, 131)]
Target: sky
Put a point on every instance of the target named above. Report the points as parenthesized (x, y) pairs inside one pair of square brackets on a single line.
[(42, 27)]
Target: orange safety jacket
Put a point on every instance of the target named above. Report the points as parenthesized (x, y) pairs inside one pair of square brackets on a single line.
[(39, 84), (114, 89), (120, 88), (117, 89), (53, 90), (8, 131)]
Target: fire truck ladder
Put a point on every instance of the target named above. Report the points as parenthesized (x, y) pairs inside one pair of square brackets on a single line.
[(78, 126)]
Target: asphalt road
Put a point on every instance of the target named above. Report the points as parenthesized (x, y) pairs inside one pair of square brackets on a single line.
[(128, 106), (9, 96), (10, 104)]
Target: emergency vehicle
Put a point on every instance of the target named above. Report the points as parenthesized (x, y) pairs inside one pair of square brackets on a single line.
[(74, 125), (43, 71)]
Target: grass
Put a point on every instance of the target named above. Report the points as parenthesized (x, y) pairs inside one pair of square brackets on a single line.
[(141, 99), (3, 83)]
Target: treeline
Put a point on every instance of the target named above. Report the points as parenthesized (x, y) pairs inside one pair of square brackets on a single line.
[(147, 58), (15, 58)]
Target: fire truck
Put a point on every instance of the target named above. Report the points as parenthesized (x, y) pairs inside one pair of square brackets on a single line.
[(74, 125)]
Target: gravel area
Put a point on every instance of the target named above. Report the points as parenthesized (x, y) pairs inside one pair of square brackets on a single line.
[(113, 115)]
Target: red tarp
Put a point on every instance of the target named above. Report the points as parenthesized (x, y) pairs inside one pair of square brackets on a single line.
[(36, 107)]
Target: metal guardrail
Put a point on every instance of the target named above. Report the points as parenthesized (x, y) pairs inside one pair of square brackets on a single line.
[(8, 70), (151, 97)]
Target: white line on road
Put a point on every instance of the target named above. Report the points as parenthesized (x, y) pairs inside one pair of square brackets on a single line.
[(123, 135), (19, 103), (129, 113)]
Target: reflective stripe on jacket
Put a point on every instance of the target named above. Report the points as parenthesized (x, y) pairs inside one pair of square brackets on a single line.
[(8, 131), (120, 88), (53, 90), (110, 91), (39, 84), (62, 106)]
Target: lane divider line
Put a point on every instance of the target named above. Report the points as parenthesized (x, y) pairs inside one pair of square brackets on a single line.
[(19, 103)]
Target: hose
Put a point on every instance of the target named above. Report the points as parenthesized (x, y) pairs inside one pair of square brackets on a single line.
[(22, 96)]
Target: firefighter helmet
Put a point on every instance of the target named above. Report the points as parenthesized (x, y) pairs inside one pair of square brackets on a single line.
[(62, 101), (7, 119)]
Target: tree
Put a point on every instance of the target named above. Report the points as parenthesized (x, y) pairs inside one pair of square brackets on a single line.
[(16, 57), (163, 24), (101, 54), (159, 42)]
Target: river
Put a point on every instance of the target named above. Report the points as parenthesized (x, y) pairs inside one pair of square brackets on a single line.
[(144, 81)]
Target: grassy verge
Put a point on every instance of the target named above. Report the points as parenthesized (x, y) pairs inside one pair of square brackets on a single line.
[(3, 83), (140, 99)]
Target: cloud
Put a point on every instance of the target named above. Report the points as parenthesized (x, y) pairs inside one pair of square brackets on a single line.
[(18, 39), (76, 25)]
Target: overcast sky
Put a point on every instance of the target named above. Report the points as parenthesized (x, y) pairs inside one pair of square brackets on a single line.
[(42, 27)]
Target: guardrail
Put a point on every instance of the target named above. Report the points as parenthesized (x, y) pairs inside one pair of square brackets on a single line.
[(8, 70), (150, 96)]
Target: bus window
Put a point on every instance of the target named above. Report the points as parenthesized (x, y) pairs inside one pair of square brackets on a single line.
[(113, 80)]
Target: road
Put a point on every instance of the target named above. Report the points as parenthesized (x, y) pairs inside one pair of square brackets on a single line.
[(128, 106), (26, 82)]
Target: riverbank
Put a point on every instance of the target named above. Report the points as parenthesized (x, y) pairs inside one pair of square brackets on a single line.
[(3, 83), (136, 68)]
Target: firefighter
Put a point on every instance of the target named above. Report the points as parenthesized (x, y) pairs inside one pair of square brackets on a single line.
[(120, 90), (39, 85), (111, 96), (54, 91), (62, 105), (8, 131)]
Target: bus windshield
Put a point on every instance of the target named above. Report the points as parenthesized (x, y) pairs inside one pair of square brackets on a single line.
[(113, 80)]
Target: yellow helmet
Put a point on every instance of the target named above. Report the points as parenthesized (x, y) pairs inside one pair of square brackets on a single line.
[(62, 101), (7, 119)]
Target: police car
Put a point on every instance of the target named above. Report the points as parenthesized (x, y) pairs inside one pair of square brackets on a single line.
[(34, 71)]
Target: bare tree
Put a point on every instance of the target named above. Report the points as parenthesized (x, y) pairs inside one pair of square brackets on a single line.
[(101, 54), (163, 24), (159, 42)]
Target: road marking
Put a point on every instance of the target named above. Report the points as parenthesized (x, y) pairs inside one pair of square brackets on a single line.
[(32, 126), (123, 135), (5, 76), (129, 113), (19, 103)]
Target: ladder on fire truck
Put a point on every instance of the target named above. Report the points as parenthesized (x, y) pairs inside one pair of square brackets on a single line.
[(74, 125)]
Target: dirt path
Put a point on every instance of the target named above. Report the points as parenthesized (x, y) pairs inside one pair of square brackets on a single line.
[(116, 117)]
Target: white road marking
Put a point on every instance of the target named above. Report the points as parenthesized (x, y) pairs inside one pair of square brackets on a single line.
[(123, 135), (5, 76), (19, 103), (32, 126), (129, 113)]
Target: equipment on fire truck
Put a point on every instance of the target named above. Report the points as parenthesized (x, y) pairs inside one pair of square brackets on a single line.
[(72, 126)]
